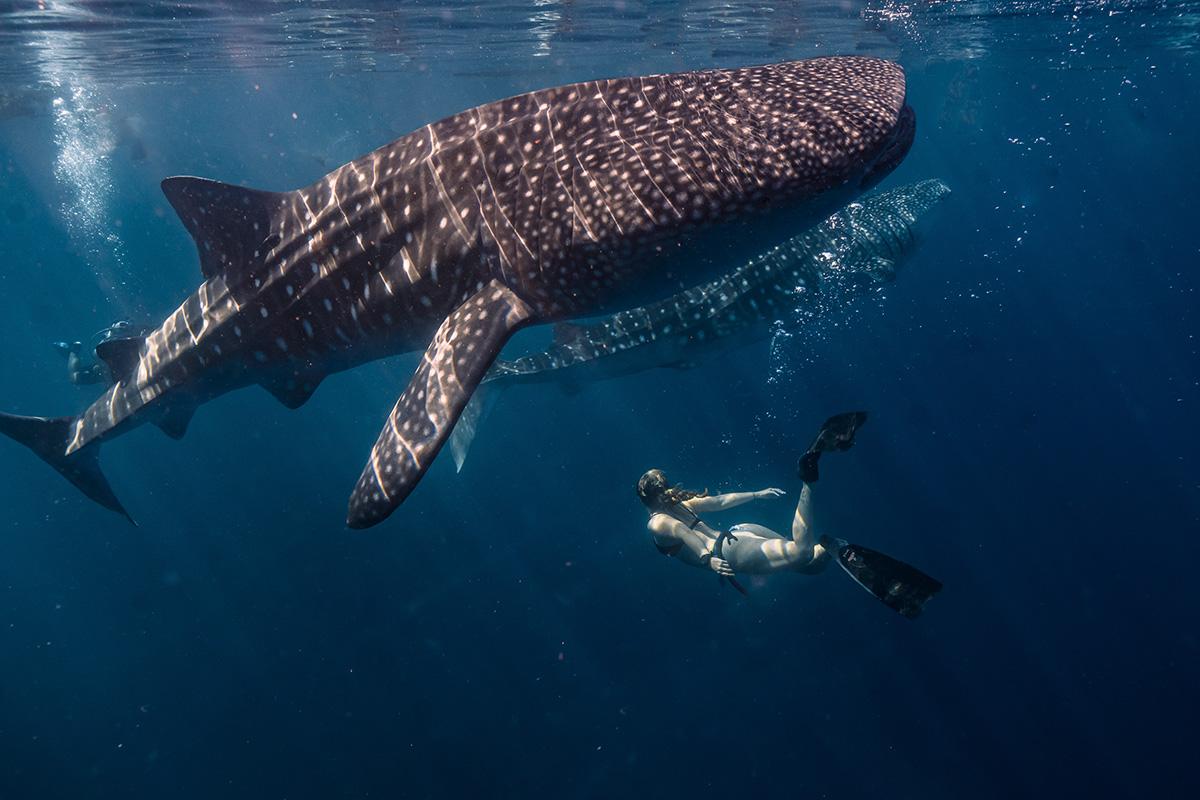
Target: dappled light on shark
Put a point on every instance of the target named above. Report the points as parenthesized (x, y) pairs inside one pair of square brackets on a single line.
[(533, 209)]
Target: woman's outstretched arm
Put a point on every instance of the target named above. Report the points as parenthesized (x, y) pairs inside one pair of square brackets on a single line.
[(720, 502)]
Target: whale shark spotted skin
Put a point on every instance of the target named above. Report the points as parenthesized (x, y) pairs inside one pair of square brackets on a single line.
[(559, 203), (859, 246), (866, 239)]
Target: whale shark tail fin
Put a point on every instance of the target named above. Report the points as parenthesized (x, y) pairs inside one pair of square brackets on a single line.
[(48, 438), (454, 364)]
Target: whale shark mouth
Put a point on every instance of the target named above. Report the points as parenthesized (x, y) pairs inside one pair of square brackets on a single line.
[(894, 151)]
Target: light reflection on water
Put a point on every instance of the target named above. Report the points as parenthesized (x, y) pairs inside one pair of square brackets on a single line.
[(160, 41)]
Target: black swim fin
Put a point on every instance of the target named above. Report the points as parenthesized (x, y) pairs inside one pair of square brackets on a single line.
[(901, 587), (836, 434), (48, 438)]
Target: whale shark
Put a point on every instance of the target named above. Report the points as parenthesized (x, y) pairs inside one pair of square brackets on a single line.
[(852, 251), (546, 206)]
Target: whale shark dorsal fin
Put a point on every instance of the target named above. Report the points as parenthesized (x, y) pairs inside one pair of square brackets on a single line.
[(121, 355), (465, 345), (231, 224)]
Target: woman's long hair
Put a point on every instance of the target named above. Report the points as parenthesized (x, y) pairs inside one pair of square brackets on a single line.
[(661, 497)]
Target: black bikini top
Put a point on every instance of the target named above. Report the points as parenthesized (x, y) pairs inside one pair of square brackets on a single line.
[(673, 549)]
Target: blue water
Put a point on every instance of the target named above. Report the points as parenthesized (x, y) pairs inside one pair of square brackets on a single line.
[(1032, 377)]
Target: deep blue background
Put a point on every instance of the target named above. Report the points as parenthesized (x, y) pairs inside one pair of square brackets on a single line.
[(1032, 377)]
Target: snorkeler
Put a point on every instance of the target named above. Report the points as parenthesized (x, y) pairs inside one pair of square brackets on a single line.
[(79, 372), (121, 335), (678, 531)]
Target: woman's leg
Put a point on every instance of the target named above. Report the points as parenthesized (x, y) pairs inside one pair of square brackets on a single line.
[(752, 554), (759, 550), (802, 529), (816, 556)]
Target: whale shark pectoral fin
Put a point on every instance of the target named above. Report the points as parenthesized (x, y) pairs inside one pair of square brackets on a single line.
[(477, 410), (466, 427), (465, 345)]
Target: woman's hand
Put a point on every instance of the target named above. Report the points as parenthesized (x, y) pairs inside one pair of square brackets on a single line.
[(763, 494), (720, 566)]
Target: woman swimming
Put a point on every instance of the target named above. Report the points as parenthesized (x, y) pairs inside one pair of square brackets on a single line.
[(678, 531)]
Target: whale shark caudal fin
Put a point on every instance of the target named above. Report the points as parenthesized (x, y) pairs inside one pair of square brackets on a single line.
[(231, 225), (48, 438), (465, 345)]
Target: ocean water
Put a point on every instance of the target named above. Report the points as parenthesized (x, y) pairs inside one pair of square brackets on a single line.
[(1032, 378)]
